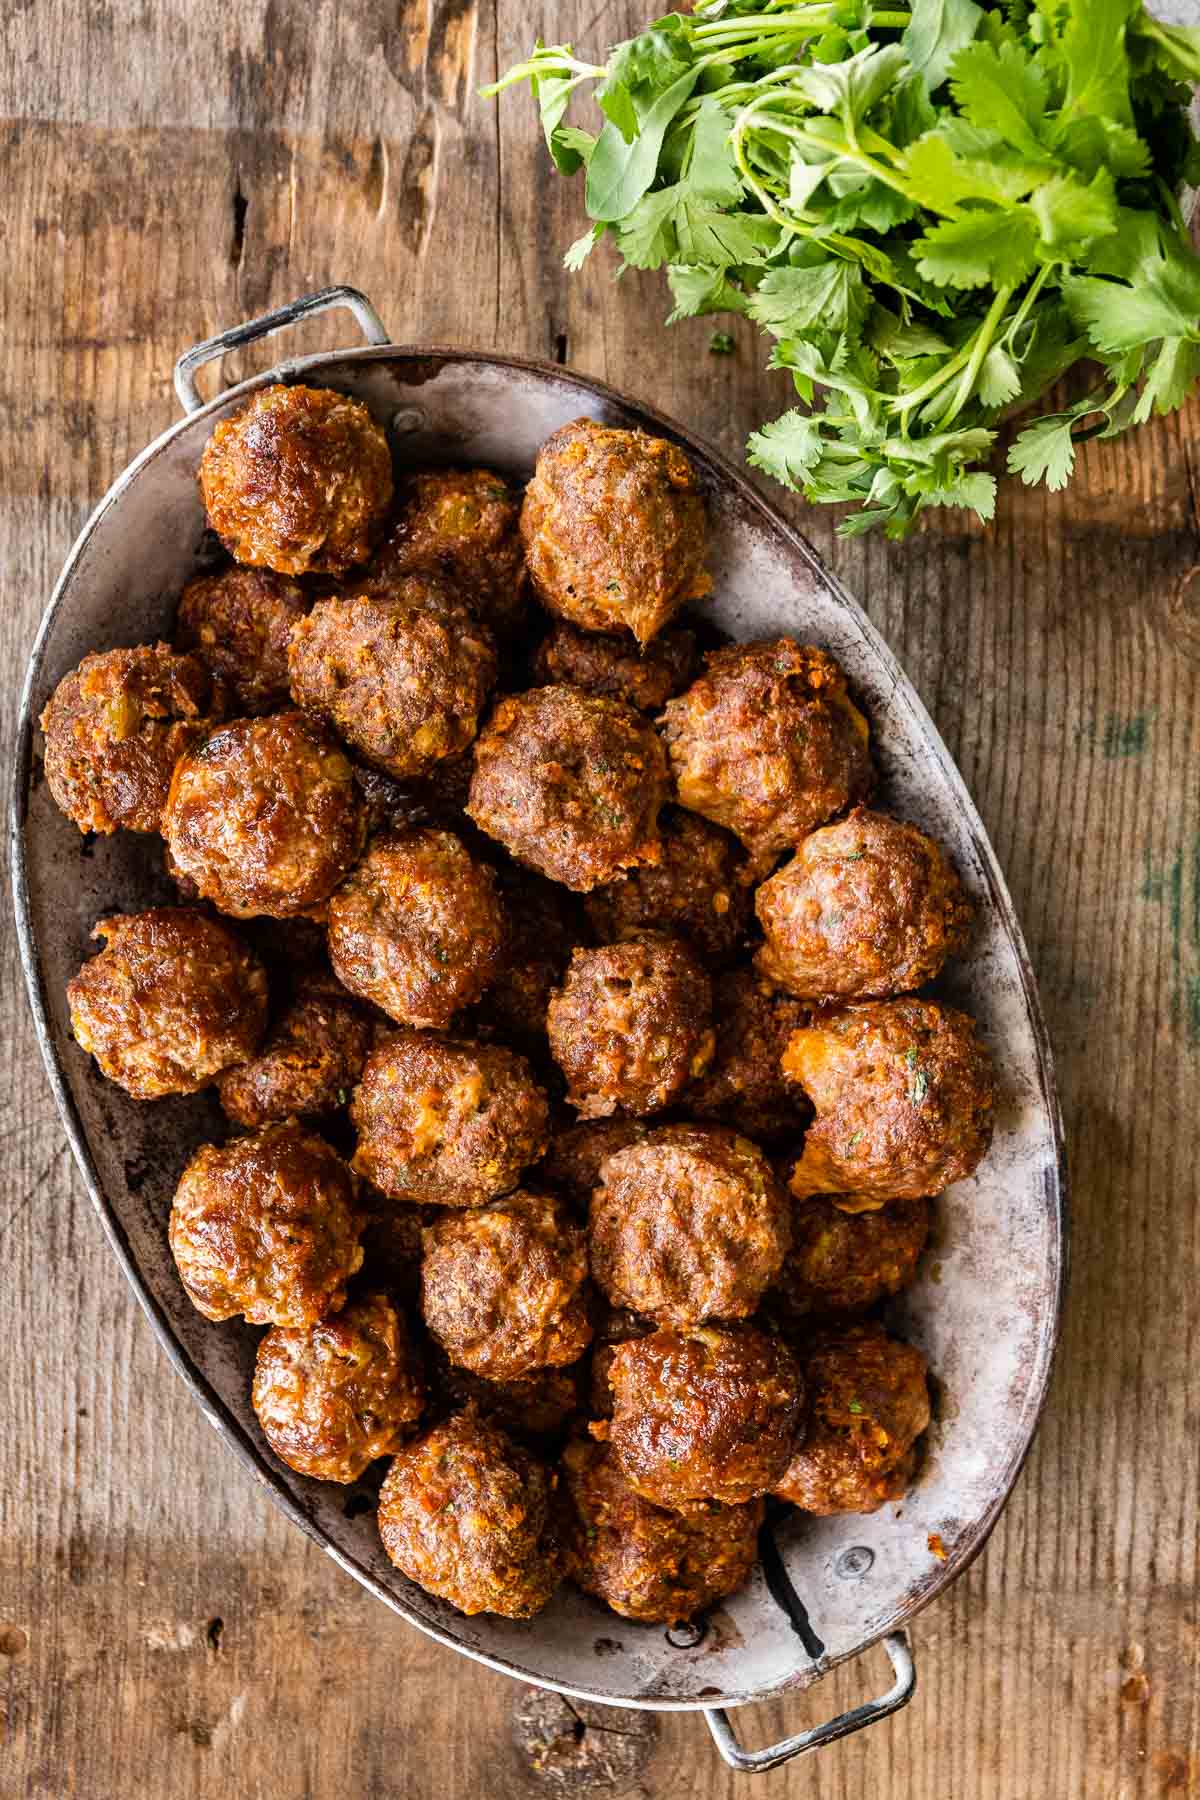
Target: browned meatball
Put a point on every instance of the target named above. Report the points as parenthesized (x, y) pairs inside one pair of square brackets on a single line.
[(845, 1262), (614, 1325), (264, 816), (868, 1405), (267, 1226), (171, 1000), (570, 784), (418, 928), (605, 663), (462, 523), (298, 480), (904, 1093), (536, 1406), (333, 1397), (400, 671), (614, 529), (745, 1086), (867, 907), (576, 1155), (543, 928), (313, 1056), (239, 622), (704, 1414), (689, 1225), (465, 1513), (115, 728), (695, 889), (441, 1122), (643, 1561), (503, 1286), (768, 743), (631, 1025)]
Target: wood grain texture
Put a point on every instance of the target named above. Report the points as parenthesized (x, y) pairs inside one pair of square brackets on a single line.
[(169, 169)]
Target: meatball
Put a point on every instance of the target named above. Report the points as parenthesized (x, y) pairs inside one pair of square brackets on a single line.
[(466, 1514), (904, 1095), (704, 1414), (543, 929), (442, 1122), (570, 784), (462, 523), (868, 1405), (298, 480), (605, 663), (264, 816), (689, 1225), (400, 671), (267, 1226), (503, 1286), (768, 744), (866, 908), (536, 1406), (614, 529), (171, 1000), (239, 623), (115, 728), (417, 928), (745, 1085), (613, 1326), (695, 889), (631, 1025), (313, 1056), (845, 1262), (643, 1561), (333, 1396), (577, 1153)]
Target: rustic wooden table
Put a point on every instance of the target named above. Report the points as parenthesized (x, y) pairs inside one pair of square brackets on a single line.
[(170, 169)]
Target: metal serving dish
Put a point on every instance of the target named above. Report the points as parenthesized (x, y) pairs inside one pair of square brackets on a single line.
[(986, 1309)]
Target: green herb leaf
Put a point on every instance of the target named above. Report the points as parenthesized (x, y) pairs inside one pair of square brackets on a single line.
[(1000, 88), (619, 173), (831, 297), (979, 250), (1044, 451), (936, 32), (721, 344)]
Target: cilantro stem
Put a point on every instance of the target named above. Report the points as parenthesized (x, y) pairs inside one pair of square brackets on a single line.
[(981, 344), (1022, 313)]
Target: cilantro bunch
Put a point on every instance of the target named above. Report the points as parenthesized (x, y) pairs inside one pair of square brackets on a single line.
[(934, 212)]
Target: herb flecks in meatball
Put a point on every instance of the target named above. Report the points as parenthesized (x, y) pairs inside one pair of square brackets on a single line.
[(418, 928), (842, 1263), (690, 1224), (695, 889), (503, 1286), (239, 622), (904, 1095), (867, 907), (461, 523), (313, 1056), (337, 1395), (443, 1122), (115, 728), (768, 743), (171, 1000), (745, 1085), (614, 529), (298, 480), (465, 1513), (603, 662), (570, 784), (267, 1226)]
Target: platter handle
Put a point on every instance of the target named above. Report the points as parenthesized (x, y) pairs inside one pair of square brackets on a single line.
[(371, 325), (757, 1762)]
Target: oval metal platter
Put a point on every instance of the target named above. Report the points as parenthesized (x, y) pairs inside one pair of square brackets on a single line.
[(986, 1308)]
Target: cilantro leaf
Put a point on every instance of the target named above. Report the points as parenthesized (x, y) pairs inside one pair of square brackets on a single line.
[(999, 378), (619, 173), (830, 297), (577, 253), (936, 32), (698, 289), (1002, 89), (1071, 214), (1044, 451), (1093, 51), (1162, 301), (712, 172), (786, 447), (979, 249)]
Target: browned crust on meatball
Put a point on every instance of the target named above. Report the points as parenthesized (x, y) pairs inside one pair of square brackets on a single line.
[(536, 1407), (768, 743), (868, 907), (704, 1414), (577, 1153), (503, 1286), (115, 728), (264, 816), (461, 523), (267, 1226), (868, 1405), (614, 529), (612, 1326), (401, 671), (745, 1086), (313, 1056), (171, 1000), (239, 623), (466, 1514), (689, 1225), (604, 662), (646, 1562), (842, 1263), (298, 480), (435, 799), (631, 1025), (444, 1122), (570, 783), (332, 1398), (695, 889), (544, 925), (418, 928), (904, 1093)]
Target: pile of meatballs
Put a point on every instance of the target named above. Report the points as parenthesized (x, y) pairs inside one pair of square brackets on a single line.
[(559, 988)]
